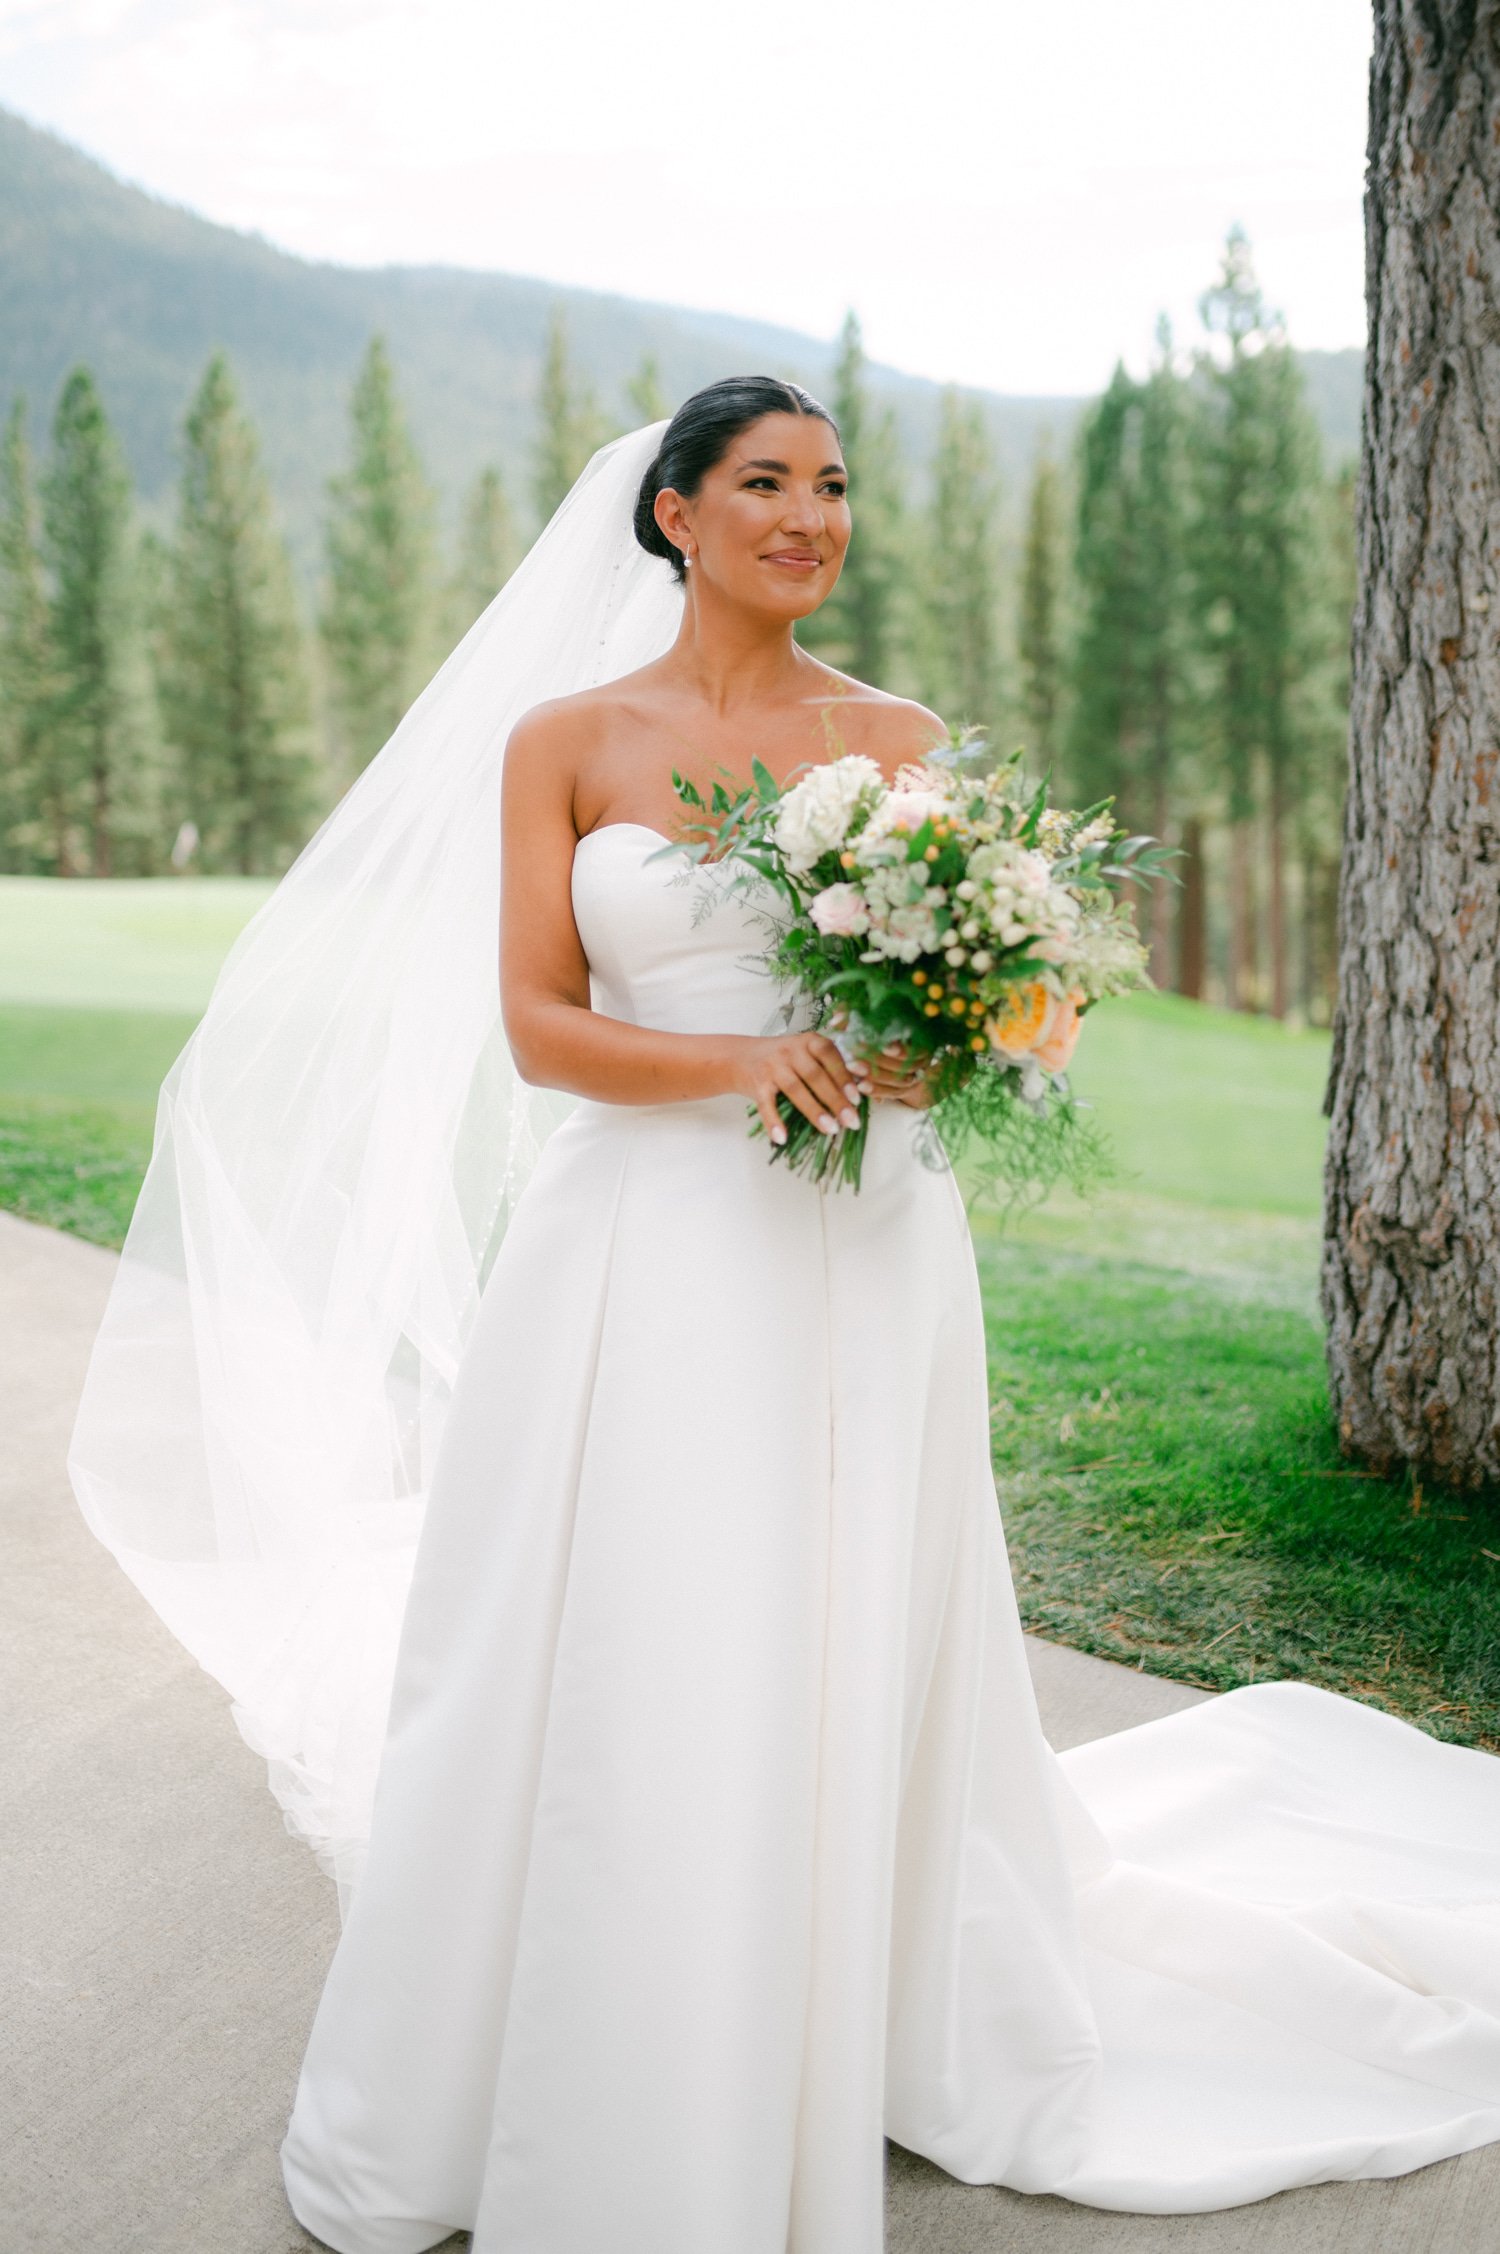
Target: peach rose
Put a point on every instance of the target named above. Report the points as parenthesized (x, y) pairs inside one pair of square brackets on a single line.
[(1055, 1050), (1023, 1019)]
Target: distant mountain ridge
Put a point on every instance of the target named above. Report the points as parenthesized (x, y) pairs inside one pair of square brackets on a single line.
[(97, 271)]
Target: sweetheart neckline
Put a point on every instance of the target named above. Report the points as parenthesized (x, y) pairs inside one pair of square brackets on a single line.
[(646, 829)]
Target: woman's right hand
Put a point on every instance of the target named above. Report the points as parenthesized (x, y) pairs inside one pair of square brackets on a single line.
[(810, 1071)]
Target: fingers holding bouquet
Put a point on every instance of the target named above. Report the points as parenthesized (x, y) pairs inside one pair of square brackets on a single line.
[(810, 1073)]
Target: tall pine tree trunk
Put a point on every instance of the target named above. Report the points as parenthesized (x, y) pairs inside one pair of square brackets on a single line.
[(1192, 915), (1412, 1213), (1280, 980), (1244, 956)]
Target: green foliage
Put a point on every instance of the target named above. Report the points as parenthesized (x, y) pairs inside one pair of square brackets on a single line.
[(377, 620), (101, 755), (960, 656), (1255, 558), (235, 692), (570, 426), (489, 549), (859, 627), (33, 818), (1040, 640), (1130, 671), (644, 391)]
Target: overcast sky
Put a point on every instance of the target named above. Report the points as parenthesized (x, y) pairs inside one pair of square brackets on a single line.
[(1008, 195)]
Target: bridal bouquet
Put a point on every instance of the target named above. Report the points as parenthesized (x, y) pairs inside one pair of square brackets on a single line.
[(954, 911)]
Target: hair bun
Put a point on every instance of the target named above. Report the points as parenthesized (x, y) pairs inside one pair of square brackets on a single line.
[(647, 531)]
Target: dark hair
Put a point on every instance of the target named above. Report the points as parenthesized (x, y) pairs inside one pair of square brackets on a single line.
[(701, 433)]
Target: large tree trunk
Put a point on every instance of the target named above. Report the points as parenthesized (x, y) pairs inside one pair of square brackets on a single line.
[(1412, 1211)]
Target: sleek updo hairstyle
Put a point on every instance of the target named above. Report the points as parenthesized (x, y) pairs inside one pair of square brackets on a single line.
[(700, 434)]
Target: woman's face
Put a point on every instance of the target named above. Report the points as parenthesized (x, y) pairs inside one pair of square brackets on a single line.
[(769, 525)]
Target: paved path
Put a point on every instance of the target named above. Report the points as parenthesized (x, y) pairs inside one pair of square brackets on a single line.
[(163, 1940)]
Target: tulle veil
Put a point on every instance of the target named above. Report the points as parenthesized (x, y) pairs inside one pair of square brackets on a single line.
[(337, 1149)]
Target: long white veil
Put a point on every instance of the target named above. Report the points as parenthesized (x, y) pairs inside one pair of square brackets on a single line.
[(337, 1151)]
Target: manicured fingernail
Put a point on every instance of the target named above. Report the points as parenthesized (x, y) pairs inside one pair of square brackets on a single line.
[(826, 1126), (850, 1118), (851, 1091), (778, 1133)]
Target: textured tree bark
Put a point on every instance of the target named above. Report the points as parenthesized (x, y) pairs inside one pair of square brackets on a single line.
[(1412, 1184)]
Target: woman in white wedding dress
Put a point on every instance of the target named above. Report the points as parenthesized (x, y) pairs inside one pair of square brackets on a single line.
[(715, 1837)]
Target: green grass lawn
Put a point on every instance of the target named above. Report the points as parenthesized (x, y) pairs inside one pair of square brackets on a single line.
[(1172, 1488), (100, 985)]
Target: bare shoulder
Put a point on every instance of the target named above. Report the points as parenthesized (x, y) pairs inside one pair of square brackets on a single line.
[(556, 725), (553, 742), (888, 729)]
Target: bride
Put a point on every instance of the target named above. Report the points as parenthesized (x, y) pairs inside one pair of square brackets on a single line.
[(700, 1832)]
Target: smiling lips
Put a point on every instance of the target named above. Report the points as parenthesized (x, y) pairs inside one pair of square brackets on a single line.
[(794, 559)]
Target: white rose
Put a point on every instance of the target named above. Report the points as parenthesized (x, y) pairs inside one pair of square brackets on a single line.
[(814, 817), (839, 911)]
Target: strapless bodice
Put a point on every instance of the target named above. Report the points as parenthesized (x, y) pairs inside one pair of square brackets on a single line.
[(670, 944)]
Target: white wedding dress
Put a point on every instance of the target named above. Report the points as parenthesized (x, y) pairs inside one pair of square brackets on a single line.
[(716, 1837)]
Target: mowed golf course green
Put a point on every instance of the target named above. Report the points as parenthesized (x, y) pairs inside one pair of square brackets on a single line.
[(1172, 1486)]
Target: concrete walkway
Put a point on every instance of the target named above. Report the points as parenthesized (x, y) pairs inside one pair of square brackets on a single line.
[(164, 1941)]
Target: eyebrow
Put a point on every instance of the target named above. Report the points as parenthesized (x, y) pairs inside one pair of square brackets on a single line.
[(829, 469)]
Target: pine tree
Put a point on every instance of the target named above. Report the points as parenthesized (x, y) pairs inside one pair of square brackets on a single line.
[(1130, 670), (377, 621), (569, 425), (488, 552), (104, 759), (35, 828), (1104, 694), (1040, 635), (1258, 471), (644, 391), (235, 689), (961, 635), (857, 626)]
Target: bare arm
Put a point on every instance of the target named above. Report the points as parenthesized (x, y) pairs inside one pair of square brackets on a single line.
[(555, 1037)]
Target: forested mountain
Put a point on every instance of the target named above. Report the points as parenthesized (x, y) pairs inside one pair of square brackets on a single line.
[(94, 271)]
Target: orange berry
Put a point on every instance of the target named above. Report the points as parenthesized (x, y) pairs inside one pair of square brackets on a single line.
[(930, 1009), (931, 853), (919, 978)]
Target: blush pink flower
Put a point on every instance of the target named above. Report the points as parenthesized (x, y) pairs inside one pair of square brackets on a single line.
[(1054, 1051), (839, 911)]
